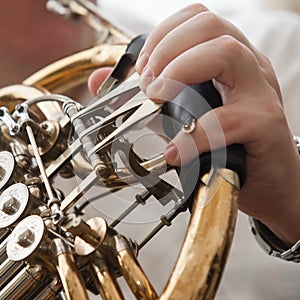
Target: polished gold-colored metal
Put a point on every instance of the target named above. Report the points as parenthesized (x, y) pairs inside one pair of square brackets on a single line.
[(133, 273), (74, 70), (86, 242), (68, 272), (203, 255), (99, 250), (108, 287)]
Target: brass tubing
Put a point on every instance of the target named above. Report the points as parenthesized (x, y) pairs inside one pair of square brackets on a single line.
[(68, 273), (71, 71), (8, 270), (108, 287), (203, 255), (132, 272), (23, 284)]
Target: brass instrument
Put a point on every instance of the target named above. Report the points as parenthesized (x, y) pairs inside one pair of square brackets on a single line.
[(48, 249)]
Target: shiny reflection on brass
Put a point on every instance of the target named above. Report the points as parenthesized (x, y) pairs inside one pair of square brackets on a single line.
[(108, 286), (68, 272), (203, 255), (132, 271), (8, 270), (49, 291), (74, 70), (82, 246)]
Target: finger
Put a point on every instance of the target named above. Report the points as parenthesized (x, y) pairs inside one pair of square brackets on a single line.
[(97, 78), (163, 28), (226, 125), (224, 59), (162, 46), (198, 29)]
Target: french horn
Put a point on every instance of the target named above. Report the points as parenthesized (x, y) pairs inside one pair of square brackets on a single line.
[(49, 247)]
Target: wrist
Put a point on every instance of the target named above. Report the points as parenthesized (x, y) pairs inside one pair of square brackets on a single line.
[(272, 244)]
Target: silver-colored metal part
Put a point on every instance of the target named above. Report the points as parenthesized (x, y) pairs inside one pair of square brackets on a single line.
[(13, 202), (133, 82), (22, 112), (148, 108), (7, 119), (58, 247), (106, 86), (3, 233), (189, 128), (297, 142), (49, 291), (26, 280), (7, 165), (65, 156), (134, 102), (52, 201), (264, 241), (70, 109), (121, 243), (8, 270), (25, 238), (3, 254), (75, 195)]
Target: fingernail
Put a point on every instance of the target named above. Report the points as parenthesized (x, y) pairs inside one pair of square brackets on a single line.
[(155, 88), (171, 154), (141, 62), (146, 78)]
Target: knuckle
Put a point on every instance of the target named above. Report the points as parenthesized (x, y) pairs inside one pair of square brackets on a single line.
[(228, 119), (275, 112), (194, 8), (212, 20), (232, 46)]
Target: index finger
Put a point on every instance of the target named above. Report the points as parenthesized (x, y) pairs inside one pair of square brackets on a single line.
[(164, 28)]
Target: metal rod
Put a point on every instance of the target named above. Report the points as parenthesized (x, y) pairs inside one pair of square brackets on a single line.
[(40, 163), (140, 199), (151, 235), (125, 214)]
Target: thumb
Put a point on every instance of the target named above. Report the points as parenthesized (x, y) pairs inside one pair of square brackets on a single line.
[(97, 78)]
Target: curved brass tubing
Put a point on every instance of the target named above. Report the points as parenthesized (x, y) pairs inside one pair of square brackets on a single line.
[(198, 270), (71, 71)]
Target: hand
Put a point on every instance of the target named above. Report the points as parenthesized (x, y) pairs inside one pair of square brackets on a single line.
[(193, 46)]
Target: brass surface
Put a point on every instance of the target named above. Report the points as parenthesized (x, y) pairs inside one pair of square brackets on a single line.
[(83, 246), (68, 273), (203, 255), (71, 71), (108, 286), (134, 275)]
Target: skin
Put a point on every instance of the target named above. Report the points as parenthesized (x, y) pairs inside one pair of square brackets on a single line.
[(211, 48)]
